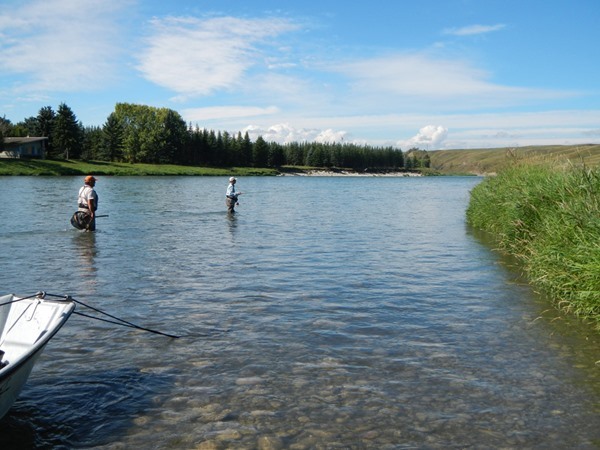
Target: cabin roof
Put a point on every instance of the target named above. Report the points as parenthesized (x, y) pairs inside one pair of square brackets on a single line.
[(23, 140)]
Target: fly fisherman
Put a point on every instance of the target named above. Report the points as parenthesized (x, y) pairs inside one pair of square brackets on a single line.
[(87, 202), (231, 196)]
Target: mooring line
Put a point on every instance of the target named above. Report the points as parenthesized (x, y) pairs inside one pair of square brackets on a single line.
[(120, 321), (19, 299)]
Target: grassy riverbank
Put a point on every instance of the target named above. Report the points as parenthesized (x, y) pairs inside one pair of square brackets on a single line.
[(37, 167), (548, 217), (491, 160), (52, 168)]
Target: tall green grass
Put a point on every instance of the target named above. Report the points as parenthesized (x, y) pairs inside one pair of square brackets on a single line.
[(548, 217)]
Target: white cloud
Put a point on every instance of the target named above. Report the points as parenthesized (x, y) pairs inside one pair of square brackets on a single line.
[(59, 45), (428, 137), (197, 57), (474, 29), (283, 133), (261, 72), (426, 79), (226, 112)]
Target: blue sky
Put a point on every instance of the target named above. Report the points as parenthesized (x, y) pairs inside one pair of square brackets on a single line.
[(435, 74)]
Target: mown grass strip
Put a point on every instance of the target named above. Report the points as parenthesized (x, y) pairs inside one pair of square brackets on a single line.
[(71, 167)]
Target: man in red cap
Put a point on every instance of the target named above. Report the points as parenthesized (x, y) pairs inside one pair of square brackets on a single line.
[(85, 217)]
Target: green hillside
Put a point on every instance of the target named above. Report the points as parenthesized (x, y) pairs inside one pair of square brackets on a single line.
[(488, 161)]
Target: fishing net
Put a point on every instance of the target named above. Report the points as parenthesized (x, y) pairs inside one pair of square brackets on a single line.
[(81, 220)]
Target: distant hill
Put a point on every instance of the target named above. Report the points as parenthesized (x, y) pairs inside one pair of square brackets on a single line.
[(488, 161)]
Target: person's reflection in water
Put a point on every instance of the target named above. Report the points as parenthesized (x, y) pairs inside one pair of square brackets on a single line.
[(85, 245), (232, 222)]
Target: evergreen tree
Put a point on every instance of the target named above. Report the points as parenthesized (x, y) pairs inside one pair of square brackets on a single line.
[(294, 154), (260, 153), (276, 157), (211, 147), (5, 127), (172, 138), (227, 149), (67, 133), (29, 127), (219, 150), (45, 119), (92, 143), (235, 150), (112, 139), (245, 151), (21, 129)]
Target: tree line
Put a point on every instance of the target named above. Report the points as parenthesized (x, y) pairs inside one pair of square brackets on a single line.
[(144, 134)]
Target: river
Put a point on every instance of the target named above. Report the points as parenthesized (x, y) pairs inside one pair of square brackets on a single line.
[(327, 313)]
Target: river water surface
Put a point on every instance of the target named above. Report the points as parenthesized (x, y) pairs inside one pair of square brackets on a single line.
[(328, 312)]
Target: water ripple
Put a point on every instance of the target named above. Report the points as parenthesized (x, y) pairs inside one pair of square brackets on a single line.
[(360, 321)]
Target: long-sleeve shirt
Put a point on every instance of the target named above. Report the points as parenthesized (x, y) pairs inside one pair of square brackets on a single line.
[(231, 191)]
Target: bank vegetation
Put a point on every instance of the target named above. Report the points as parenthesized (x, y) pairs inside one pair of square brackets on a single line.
[(488, 161), (144, 134), (546, 213)]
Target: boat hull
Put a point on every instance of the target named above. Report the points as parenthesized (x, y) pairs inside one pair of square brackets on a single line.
[(12, 384), (26, 327)]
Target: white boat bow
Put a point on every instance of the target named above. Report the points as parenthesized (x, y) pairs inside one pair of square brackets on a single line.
[(26, 326)]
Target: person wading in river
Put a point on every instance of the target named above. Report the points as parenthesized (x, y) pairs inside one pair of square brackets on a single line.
[(231, 196), (87, 202)]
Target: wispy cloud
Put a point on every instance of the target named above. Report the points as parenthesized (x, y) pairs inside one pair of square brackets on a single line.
[(474, 29), (425, 78), (226, 112), (197, 57), (59, 45), (278, 77)]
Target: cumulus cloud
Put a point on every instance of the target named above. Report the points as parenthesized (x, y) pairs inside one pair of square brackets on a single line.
[(284, 134), (430, 137), (59, 45), (474, 29), (196, 57)]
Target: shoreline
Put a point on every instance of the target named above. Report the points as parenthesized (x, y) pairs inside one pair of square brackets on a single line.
[(76, 168), (346, 173)]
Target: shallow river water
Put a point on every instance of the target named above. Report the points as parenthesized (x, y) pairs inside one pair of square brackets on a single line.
[(327, 313)]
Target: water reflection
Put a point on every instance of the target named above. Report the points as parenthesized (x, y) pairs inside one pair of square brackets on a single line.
[(232, 226), (84, 247)]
